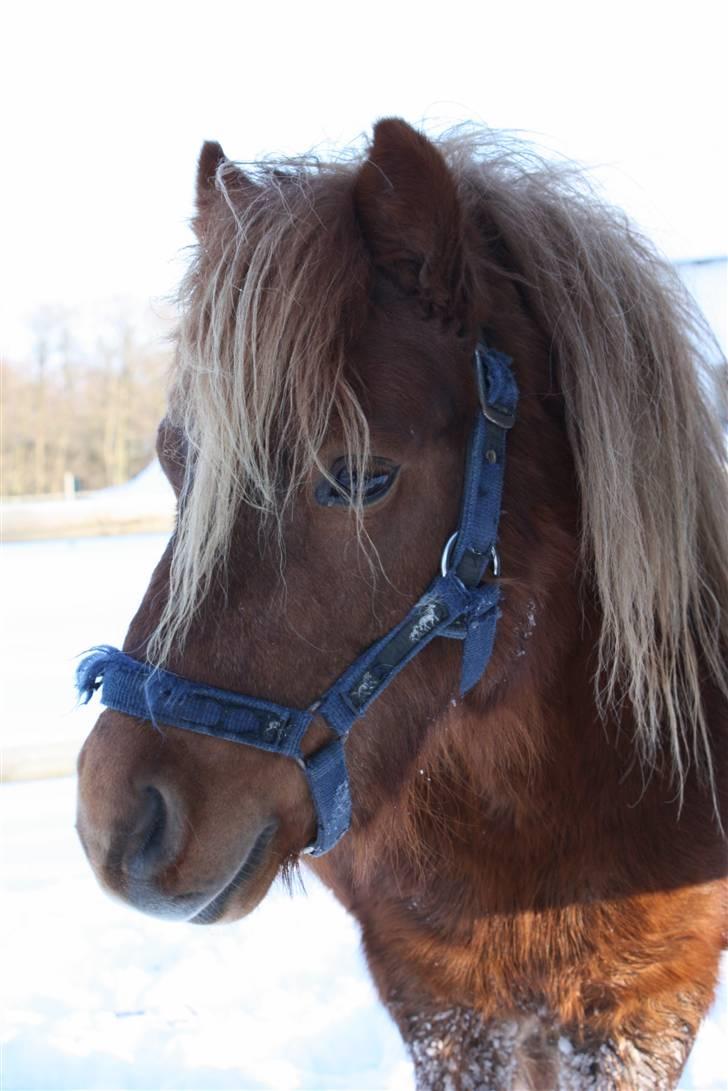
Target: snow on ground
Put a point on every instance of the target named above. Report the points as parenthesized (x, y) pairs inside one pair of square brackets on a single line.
[(60, 597), (96, 996)]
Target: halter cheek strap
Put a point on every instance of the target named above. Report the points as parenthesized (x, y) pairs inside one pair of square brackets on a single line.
[(456, 605)]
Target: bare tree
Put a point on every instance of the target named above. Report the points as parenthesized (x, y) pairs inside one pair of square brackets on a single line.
[(94, 415)]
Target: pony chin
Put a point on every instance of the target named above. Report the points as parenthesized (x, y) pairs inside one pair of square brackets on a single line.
[(245, 891)]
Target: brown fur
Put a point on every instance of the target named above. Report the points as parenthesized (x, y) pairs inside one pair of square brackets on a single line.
[(539, 907)]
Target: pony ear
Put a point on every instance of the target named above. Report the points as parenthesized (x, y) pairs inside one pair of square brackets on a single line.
[(408, 207), (210, 159), (238, 186)]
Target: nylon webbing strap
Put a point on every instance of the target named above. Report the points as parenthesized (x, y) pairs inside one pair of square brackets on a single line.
[(476, 543), (456, 605)]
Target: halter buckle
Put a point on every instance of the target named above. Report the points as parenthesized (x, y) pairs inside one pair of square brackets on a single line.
[(445, 559), (502, 418)]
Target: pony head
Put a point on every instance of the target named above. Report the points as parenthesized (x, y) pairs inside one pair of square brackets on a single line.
[(319, 409)]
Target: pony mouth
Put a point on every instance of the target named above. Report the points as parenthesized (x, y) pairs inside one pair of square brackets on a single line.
[(214, 910)]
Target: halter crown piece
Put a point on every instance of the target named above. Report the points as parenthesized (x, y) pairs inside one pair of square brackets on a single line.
[(456, 605)]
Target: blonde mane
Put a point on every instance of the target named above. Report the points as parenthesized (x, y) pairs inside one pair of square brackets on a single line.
[(269, 303), (273, 298)]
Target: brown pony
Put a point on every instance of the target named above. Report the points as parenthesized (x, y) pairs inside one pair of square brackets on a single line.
[(536, 868)]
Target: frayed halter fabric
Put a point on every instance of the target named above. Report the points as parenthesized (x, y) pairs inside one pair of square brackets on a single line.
[(456, 605)]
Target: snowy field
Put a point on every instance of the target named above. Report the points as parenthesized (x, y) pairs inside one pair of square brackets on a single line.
[(101, 997), (96, 996)]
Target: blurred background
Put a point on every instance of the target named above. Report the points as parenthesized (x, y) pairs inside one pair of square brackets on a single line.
[(105, 107)]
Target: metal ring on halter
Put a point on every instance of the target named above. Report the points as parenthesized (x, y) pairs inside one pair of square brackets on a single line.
[(495, 558), (445, 559)]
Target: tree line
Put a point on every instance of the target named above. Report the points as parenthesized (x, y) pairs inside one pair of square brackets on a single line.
[(89, 414)]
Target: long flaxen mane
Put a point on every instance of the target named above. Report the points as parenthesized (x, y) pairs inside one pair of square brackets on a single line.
[(276, 292)]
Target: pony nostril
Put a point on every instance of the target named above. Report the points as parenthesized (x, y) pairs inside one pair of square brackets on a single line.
[(156, 821), (149, 843)]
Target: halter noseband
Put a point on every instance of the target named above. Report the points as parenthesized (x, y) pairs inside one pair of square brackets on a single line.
[(455, 605)]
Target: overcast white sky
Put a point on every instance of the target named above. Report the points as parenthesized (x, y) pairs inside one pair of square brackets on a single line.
[(105, 105)]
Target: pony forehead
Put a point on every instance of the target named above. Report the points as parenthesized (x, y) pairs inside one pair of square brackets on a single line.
[(286, 317), (299, 204), (280, 256)]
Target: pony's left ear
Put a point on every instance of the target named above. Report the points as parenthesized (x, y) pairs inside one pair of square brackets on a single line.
[(407, 204)]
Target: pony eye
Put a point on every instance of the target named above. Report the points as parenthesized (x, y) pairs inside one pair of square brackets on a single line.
[(378, 480)]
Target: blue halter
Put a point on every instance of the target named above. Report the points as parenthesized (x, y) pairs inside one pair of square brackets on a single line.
[(455, 605)]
